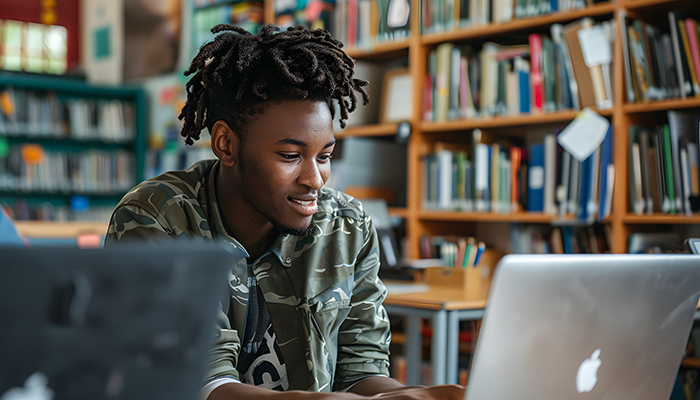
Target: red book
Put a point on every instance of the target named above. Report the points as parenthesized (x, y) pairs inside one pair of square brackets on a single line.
[(536, 71), (352, 23), (692, 28), (428, 98)]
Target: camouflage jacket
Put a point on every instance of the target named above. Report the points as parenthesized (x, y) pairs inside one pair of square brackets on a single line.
[(322, 291)]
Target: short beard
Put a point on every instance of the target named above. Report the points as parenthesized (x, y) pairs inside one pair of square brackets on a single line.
[(285, 230)]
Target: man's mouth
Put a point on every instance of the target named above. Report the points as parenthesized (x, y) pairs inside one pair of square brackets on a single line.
[(302, 202), (306, 206)]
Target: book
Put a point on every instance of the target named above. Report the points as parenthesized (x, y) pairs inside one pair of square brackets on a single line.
[(536, 77), (536, 178), (581, 71)]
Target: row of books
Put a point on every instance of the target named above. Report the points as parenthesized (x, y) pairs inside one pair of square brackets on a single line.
[(22, 210), (30, 113), (546, 75), (661, 63), (498, 176), (532, 239), (28, 168), (247, 14), (362, 23), (35, 48), (664, 166), (458, 252), (445, 15)]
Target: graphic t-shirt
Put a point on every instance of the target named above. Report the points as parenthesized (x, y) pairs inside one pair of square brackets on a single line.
[(260, 362)]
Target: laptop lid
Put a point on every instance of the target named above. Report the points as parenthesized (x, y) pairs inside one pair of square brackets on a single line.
[(585, 326), (123, 322)]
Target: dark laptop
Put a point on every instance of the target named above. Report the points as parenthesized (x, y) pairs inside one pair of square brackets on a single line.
[(124, 322)]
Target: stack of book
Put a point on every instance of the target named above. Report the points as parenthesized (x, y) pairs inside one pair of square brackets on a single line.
[(546, 75), (661, 63), (29, 113), (532, 239), (30, 168), (664, 162), (505, 177), (444, 15)]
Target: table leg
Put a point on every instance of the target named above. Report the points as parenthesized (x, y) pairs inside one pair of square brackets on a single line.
[(452, 368), (413, 350), (439, 347)]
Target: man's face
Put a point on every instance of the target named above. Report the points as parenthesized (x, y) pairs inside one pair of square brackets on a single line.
[(285, 160)]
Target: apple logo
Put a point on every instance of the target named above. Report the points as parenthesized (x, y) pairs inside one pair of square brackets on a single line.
[(587, 375), (35, 388)]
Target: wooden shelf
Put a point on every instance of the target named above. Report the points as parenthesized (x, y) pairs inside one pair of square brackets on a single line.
[(523, 25), (639, 108), (691, 362), (503, 122), (398, 212), (457, 216), (368, 131), (640, 4), (380, 50), (59, 230), (658, 218)]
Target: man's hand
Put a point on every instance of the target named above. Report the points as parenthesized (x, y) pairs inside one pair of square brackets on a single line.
[(442, 392), (389, 390), (380, 387)]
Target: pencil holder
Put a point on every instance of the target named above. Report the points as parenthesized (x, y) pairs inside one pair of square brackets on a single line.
[(475, 282)]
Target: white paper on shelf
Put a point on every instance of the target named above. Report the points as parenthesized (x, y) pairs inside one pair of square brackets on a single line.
[(595, 46), (584, 134)]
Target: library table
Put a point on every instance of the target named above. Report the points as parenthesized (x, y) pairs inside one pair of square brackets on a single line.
[(446, 307)]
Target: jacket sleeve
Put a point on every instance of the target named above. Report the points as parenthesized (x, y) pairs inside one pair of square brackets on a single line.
[(132, 223), (364, 336)]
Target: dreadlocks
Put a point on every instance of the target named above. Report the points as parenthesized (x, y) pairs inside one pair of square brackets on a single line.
[(237, 72)]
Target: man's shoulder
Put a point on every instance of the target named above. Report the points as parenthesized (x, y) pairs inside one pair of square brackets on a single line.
[(339, 204), (156, 193)]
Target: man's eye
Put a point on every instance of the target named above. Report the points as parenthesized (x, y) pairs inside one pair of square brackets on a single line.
[(289, 156), (325, 157)]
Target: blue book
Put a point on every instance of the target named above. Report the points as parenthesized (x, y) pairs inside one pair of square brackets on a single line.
[(605, 160), (553, 5), (583, 188), (566, 232), (535, 179), (524, 81), (487, 192)]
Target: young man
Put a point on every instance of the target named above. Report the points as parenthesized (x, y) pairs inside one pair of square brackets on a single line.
[(305, 315)]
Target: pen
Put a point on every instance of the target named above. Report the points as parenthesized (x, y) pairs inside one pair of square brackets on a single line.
[(479, 252)]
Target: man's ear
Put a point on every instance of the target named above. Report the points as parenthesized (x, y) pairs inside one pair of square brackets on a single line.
[(224, 143)]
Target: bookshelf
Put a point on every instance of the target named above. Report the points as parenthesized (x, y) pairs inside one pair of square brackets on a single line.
[(622, 115), (90, 141), (518, 25), (691, 362), (503, 122)]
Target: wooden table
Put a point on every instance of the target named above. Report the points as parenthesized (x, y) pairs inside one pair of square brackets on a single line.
[(445, 307)]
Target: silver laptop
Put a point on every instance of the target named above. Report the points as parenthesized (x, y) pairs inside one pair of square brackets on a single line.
[(585, 327), (124, 322)]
